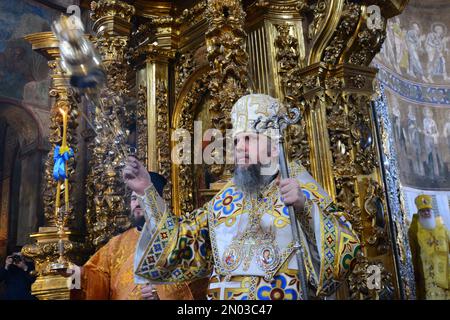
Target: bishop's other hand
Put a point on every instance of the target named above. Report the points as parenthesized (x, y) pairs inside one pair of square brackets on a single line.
[(149, 293), (136, 176), (292, 194)]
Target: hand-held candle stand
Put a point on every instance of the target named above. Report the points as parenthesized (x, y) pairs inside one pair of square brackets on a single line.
[(280, 122)]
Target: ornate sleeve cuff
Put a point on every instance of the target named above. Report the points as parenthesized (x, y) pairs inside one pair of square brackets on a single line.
[(307, 220), (153, 204)]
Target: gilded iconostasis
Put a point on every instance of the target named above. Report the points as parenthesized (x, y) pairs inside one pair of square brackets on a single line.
[(184, 67)]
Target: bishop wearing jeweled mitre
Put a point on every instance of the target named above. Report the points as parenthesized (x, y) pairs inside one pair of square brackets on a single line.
[(242, 239)]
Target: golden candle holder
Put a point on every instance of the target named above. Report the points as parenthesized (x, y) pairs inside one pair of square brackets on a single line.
[(61, 214)]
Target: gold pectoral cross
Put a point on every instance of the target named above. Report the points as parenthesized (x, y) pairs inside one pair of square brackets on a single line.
[(433, 241)]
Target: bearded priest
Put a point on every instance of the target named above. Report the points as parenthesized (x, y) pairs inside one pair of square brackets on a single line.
[(242, 239), (429, 240)]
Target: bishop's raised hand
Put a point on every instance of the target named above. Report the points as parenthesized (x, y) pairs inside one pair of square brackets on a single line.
[(136, 176)]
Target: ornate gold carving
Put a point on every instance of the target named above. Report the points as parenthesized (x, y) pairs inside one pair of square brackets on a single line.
[(287, 57), (105, 189), (163, 21), (362, 132), (45, 252), (111, 48), (221, 13), (374, 207), (163, 136), (194, 14), (225, 41), (364, 287), (319, 11), (103, 9), (368, 43), (104, 183), (141, 125), (358, 81), (148, 52), (339, 131), (185, 66), (344, 93), (183, 179), (349, 21), (346, 198), (282, 6), (351, 133), (228, 58), (287, 54), (334, 83)]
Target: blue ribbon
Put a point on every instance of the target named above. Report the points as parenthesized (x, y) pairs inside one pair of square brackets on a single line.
[(60, 160)]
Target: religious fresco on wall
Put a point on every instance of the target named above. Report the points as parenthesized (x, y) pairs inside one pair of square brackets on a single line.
[(418, 48), (414, 73), (422, 140), (23, 73), (414, 69), (414, 112)]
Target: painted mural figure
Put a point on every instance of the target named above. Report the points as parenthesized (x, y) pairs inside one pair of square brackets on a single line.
[(414, 44), (399, 131), (394, 49), (388, 46), (446, 135), (435, 46), (401, 57), (431, 135), (413, 135)]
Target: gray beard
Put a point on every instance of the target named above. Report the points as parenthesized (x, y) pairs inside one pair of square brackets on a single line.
[(428, 223), (250, 180)]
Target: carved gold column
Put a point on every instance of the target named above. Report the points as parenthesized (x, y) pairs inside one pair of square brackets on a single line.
[(50, 285), (106, 202)]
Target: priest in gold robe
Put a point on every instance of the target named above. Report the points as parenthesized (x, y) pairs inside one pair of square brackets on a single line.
[(429, 240), (242, 239), (108, 274)]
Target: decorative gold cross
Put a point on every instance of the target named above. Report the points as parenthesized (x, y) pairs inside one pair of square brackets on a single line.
[(432, 241)]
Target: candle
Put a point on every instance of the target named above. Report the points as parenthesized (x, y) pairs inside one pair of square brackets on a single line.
[(58, 201), (64, 138), (60, 247), (66, 193), (66, 181)]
